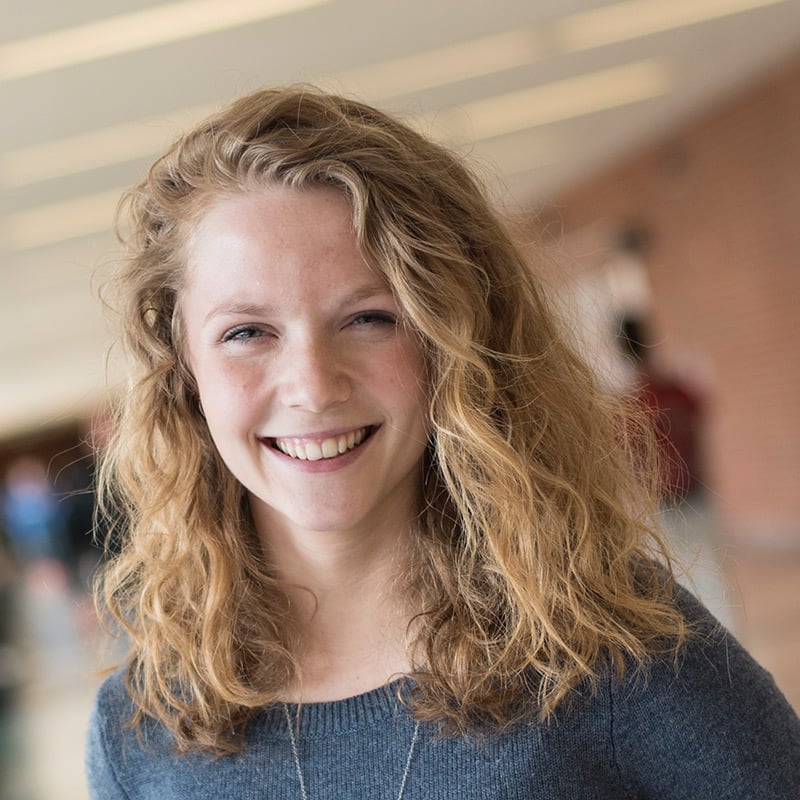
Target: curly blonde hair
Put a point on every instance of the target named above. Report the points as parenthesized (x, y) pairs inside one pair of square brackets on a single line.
[(535, 561)]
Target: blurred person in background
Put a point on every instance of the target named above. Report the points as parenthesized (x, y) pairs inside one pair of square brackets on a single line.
[(31, 514), (676, 411), (383, 534)]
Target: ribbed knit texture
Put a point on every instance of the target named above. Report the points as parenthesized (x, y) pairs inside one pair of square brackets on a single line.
[(719, 729)]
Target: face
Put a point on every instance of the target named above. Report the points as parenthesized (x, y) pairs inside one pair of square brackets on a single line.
[(312, 387)]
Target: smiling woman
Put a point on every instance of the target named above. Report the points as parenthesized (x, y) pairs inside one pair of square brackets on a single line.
[(383, 534), (320, 361)]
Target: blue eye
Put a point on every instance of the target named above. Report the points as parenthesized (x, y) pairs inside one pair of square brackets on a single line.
[(374, 318), (242, 333)]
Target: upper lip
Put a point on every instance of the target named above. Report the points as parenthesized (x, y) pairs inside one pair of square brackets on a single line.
[(318, 436)]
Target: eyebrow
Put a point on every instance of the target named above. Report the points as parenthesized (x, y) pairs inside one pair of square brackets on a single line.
[(246, 308)]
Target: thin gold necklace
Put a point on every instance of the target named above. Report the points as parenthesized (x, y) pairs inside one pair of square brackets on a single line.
[(296, 755)]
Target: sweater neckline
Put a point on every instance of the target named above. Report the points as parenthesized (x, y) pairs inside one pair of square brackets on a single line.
[(334, 717)]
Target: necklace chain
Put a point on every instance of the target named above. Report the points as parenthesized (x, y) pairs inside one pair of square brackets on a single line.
[(298, 768)]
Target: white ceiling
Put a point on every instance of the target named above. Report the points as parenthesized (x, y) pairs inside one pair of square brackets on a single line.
[(539, 93)]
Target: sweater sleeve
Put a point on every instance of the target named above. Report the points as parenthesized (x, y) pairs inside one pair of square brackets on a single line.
[(101, 777), (713, 726)]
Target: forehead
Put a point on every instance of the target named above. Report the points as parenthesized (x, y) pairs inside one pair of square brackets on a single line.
[(276, 239), (275, 206)]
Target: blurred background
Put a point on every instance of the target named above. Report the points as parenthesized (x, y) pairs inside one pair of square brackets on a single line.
[(646, 152)]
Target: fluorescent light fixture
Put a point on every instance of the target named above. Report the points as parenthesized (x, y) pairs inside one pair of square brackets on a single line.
[(126, 33), (515, 152), (635, 18), (419, 71), (490, 54), (444, 65), (399, 76), (119, 143), (542, 105), (96, 148), (59, 222), (483, 119)]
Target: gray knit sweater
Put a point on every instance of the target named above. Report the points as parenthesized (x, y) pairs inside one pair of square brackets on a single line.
[(717, 729)]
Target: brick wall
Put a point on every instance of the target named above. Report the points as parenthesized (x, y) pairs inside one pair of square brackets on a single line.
[(720, 204)]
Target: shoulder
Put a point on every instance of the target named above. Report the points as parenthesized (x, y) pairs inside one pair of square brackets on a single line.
[(112, 707), (713, 668), (711, 722), (115, 750), (112, 699)]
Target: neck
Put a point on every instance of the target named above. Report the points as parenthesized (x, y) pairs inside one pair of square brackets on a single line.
[(351, 614)]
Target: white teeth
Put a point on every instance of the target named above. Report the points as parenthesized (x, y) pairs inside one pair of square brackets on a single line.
[(288, 448), (330, 448), (313, 451), (324, 448)]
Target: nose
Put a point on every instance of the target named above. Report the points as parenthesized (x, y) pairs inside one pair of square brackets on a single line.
[(315, 377)]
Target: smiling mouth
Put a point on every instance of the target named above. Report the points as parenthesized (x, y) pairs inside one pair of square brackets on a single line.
[(319, 449)]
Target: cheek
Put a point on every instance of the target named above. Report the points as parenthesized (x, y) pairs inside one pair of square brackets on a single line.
[(227, 393), (409, 378)]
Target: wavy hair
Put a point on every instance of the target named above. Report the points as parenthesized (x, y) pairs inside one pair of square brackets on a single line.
[(535, 560)]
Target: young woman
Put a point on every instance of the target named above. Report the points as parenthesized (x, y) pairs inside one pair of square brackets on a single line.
[(381, 533)]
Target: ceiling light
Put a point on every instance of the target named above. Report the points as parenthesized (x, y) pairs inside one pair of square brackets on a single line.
[(136, 31), (484, 119), (515, 152), (93, 149), (542, 105), (444, 65), (399, 76), (59, 222), (635, 18)]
